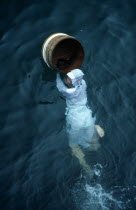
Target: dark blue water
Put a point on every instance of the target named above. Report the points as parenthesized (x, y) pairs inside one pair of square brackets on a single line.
[(38, 171)]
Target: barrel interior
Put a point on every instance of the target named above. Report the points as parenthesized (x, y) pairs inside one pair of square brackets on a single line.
[(68, 54)]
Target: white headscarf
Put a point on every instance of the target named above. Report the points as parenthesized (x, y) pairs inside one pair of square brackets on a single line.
[(76, 76)]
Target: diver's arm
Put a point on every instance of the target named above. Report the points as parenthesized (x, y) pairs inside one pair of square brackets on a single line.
[(60, 85), (62, 88)]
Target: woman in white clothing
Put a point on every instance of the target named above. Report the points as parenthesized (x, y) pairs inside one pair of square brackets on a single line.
[(80, 124)]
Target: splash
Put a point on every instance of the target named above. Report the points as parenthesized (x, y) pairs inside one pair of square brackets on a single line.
[(99, 199), (98, 169), (95, 197)]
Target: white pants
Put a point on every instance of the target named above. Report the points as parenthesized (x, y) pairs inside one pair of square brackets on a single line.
[(80, 125)]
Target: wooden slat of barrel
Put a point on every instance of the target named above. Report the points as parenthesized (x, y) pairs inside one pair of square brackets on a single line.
[(63, 47)]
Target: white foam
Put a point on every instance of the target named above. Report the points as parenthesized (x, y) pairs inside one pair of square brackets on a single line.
[(98, 169), (99, 198), (89, 197)]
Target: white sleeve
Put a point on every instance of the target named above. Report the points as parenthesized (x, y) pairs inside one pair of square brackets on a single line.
[(60, 85), (84, 84), (62, 88)]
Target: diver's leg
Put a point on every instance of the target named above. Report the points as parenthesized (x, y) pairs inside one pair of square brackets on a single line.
[(94, 143), (77, 152), (100, 131)]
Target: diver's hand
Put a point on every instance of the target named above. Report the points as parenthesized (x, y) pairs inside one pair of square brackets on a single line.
[(100, 131)]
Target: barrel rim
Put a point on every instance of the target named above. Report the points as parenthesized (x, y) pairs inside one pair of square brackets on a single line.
[(63, 37), (47, 42), (52, 37)]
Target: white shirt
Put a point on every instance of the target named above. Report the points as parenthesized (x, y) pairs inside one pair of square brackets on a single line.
[(75, 96), (79, 120)]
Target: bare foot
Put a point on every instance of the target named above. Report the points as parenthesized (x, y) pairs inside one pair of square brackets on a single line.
[(100, 131)]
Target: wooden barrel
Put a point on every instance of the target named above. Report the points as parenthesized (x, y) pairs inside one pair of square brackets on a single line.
[(62, 52)]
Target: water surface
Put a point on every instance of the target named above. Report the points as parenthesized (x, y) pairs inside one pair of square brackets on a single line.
[(37, 168)]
